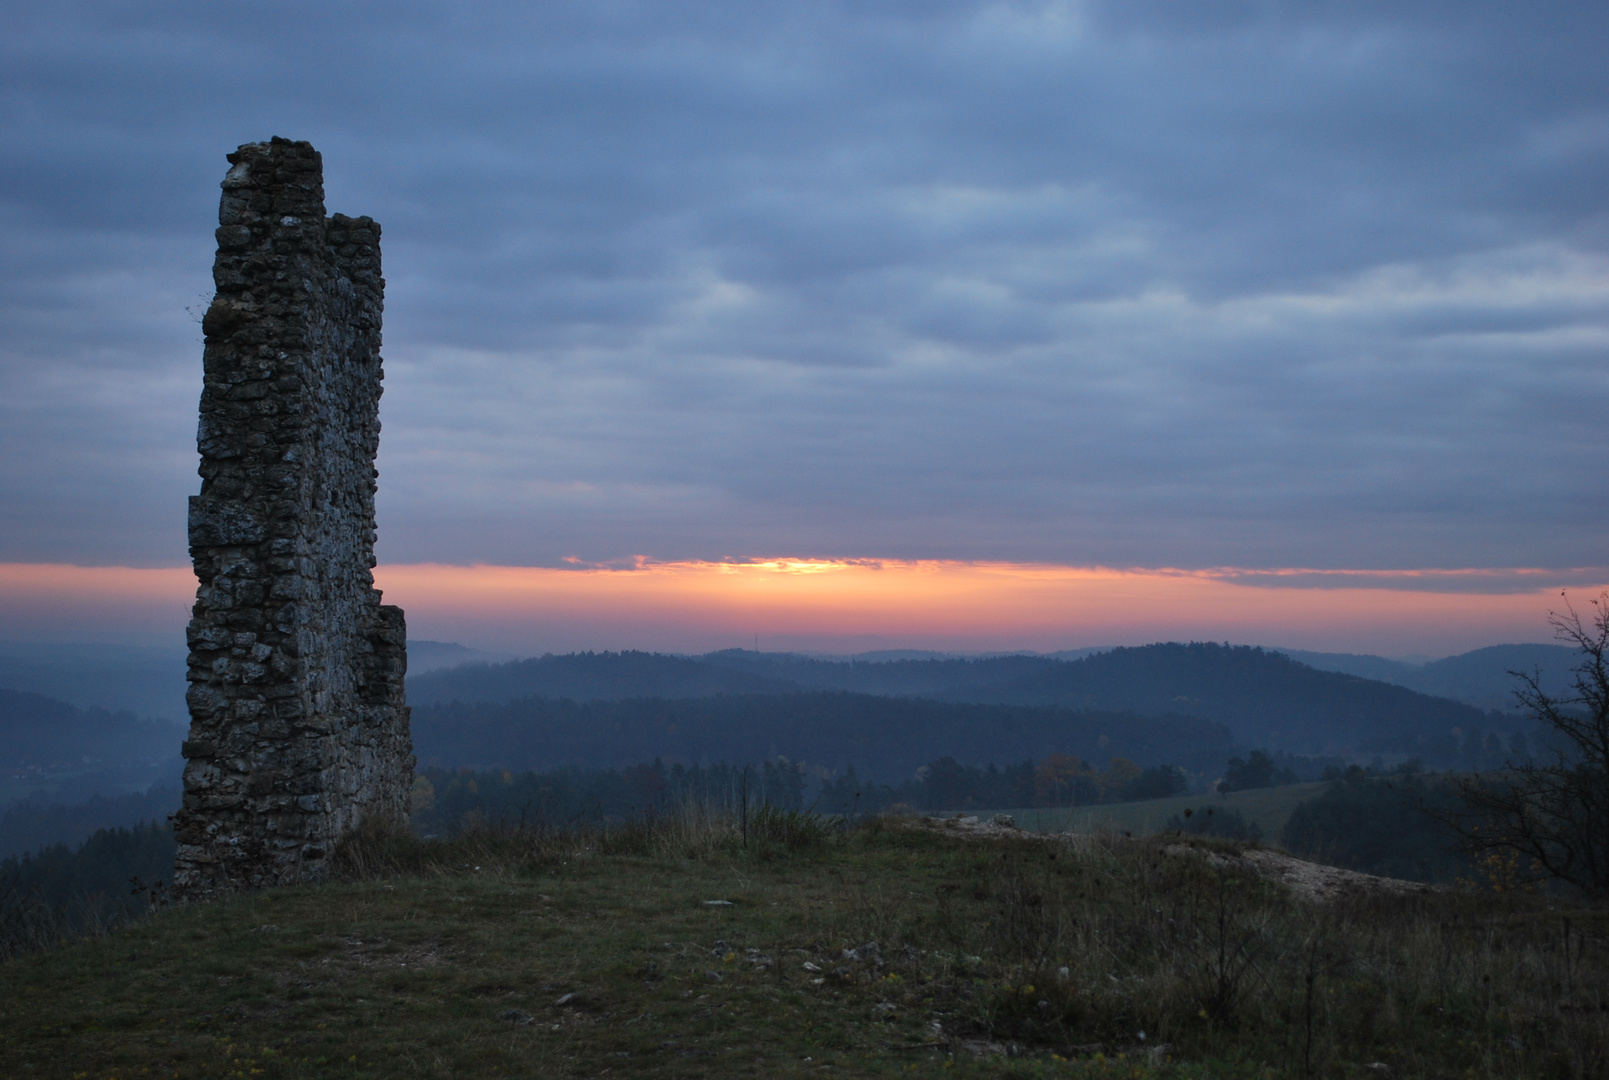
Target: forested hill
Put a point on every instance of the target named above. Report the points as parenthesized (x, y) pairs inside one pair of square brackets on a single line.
[(611, 676), (39, 731), (1263, 697), (587, 677), (884, 738), (938, 677), (1266, 698)]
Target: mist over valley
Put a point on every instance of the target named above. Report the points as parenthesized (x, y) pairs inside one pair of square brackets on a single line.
[(103, 750)]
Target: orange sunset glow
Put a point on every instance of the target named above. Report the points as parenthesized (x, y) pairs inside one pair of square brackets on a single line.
[(849, 605)]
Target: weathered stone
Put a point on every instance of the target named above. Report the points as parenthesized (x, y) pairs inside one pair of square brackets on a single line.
[(298, 726)]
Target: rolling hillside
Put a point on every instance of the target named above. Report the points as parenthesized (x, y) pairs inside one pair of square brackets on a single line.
[(885, 738), (39, 731), (1265, 698)]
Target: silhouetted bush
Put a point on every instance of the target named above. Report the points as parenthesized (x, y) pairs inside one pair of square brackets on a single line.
[(1157, 782), (1256, 770)]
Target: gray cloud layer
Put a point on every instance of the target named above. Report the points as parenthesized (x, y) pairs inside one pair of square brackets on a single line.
[(1275, 285)]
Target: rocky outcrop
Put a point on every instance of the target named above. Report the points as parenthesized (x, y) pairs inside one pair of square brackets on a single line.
[(298, 726)]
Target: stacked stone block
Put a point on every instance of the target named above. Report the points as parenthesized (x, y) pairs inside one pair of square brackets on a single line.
[(298, 726)]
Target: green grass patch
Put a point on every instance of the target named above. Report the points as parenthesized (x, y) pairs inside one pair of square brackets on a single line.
[(675, 949)]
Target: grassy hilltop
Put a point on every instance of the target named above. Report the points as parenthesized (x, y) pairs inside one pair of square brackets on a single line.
[(678, 949)]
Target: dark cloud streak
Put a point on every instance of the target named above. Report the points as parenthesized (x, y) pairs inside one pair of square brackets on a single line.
[(1144, 284)]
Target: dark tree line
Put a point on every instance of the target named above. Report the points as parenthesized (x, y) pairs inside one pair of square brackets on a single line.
[(60, 891), (1059, 780), (1377, 825), (885, 738), (28, 825), (445, 799)]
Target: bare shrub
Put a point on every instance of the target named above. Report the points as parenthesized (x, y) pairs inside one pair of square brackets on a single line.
[(1550, 817)]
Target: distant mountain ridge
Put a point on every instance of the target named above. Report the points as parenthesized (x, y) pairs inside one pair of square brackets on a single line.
[(1480, 678), (1266, 698), (426, 656), (144, 680)]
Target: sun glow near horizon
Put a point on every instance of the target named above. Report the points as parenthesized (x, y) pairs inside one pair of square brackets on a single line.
[(850, 605)]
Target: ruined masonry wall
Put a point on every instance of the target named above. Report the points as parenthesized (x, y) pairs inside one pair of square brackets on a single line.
[(298, 726)]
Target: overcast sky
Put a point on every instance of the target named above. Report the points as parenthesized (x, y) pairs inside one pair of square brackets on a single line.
[(1247, 285)]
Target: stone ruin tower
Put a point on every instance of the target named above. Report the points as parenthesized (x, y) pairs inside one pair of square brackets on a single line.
[(298, 728)]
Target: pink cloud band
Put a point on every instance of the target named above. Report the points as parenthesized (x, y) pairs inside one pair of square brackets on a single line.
[(851, 605)]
